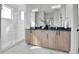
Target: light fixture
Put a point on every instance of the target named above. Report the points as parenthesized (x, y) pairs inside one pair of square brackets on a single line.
[(35, 10), (57, 6)]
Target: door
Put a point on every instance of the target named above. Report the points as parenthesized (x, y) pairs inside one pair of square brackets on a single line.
[(52, 39)]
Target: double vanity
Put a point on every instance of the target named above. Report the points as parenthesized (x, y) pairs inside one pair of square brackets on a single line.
[(53, 38)]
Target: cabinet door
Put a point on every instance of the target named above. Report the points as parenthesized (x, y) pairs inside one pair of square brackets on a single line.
[(36, 38), (63, 40), (28, 37), (52, 39), (38, 34), (44, 36), (65, 37)]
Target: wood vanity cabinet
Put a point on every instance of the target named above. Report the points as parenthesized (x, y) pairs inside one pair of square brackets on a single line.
[(44, 37), (39, 38), (52, 39), (62, 40), (36, 38), (28, 36), (59, 40)]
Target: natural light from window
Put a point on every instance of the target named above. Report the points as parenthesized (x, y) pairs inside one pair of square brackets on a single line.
[(22, 15), (6, 12)]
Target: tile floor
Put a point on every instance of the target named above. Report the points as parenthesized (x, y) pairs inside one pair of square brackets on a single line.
[(23, 48)]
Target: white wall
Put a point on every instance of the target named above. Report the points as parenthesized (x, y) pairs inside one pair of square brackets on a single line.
[(16, 28), (8, 31), (20, 34), (0, 27), (72, 15), (69, 13), (27, 17), (78, 25), (32, 19)]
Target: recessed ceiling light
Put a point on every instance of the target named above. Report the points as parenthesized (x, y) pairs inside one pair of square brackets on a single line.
[(57, 6)]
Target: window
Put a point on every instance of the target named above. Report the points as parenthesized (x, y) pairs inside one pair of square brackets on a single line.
[(22, 15), (6, 12)]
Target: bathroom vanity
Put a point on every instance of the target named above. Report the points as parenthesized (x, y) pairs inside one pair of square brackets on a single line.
[(58, 39)]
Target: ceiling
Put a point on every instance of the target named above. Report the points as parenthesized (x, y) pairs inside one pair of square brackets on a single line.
[(42, 7), (19, 6), (22, 6)]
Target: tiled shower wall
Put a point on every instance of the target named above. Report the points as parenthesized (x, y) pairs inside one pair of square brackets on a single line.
[(12, 30)]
